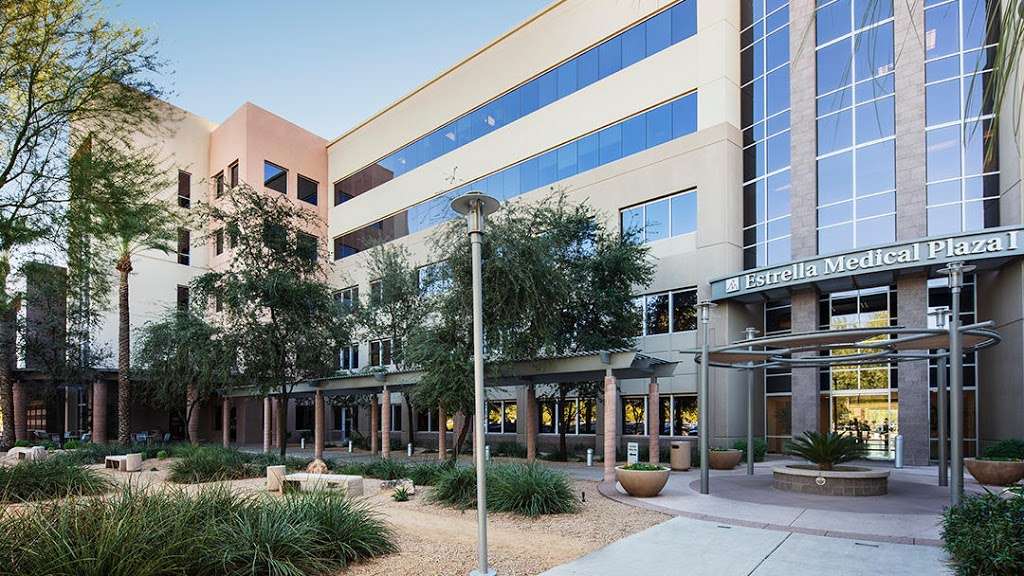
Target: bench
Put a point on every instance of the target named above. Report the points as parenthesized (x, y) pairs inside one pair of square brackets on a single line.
[(33, 453), (277, 478), (125, 462)]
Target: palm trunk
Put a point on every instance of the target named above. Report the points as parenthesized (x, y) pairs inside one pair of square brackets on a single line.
[(282, 422), (124, 391)]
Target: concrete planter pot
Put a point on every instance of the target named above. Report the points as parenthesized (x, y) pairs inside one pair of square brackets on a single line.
[(724, 459), (995, 472), (842, 481), (642, 483)]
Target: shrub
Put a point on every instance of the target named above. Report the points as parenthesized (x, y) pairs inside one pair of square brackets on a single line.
[(161, 455), (71, 444), (524, 489), (387, 470), (826, 450), (401, 494), (644, 467), (215, 464), (760, 449), (22, 444), (54, 477), (1012, 449), (509, 450), (206, 533), (985, 535)]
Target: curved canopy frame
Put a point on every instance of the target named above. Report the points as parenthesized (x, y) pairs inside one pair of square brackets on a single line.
[(850, 347)]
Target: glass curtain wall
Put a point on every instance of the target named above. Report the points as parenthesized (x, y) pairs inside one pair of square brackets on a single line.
[(856, 124), (939, 296), (861, 400), (962, 158), (765, 110)]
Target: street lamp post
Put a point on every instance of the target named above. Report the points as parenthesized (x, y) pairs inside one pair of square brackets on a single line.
[(703, 410), (941, 406), (956, 271), (475, 206), (750, 333)]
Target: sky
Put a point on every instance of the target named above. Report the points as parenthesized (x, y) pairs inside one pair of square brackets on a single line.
[(324, 65)]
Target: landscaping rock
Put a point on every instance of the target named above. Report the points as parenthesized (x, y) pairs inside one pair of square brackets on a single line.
[(317, 466), (392, 485)]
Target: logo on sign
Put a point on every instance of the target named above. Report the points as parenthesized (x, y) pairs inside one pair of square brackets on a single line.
[(732, 284)]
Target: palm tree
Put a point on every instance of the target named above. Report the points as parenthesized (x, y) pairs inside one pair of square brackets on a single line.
[(138, 227)]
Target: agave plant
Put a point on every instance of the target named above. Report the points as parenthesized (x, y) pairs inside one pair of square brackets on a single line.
[(826, 450)]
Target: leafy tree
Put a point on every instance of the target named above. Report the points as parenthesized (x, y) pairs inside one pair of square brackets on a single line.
[(555, 280), (278, 310), (396, 304), (64, 66), (182, 362)]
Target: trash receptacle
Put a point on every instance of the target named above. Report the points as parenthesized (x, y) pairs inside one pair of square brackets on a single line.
[(680, 455)]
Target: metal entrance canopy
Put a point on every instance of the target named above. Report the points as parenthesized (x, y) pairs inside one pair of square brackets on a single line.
[(848, 347)]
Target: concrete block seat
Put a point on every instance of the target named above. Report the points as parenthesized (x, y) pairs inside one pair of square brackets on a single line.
[(125, 462), (277, 478), (33, 453)]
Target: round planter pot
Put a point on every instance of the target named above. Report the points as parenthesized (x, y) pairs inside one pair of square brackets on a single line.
[(995, 472), (724, 459), (642, 483), (843, 481)]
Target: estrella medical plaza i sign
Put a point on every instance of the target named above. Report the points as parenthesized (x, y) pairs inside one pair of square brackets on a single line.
[(992, 243)]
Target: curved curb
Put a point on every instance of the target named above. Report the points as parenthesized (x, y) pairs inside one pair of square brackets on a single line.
[(607, 489)]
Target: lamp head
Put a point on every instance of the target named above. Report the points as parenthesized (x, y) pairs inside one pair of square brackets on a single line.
[(475, 206), (705, 307), (956, 271), (941, 314), (750, 332)]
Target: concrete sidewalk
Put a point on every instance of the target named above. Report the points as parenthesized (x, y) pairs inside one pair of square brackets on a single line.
[(695, 547)]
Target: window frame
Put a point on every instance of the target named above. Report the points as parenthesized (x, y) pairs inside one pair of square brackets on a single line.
[(668, 199), (316, 190), (271, 183)]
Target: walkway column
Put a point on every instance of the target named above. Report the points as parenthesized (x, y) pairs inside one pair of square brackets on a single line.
[(275, 408), (318, 425), (99, 412), (531, 423), (268, 419), (225, 422), (442, 433), (20, 411), (374, 425), (611, 397), (653, 421), (806, 397), (385, 424)]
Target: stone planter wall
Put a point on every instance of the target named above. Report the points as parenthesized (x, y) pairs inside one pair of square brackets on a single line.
[(858, 482)]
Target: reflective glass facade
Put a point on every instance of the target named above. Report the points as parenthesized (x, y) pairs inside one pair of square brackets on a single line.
[(624, 49), (668, 121), (962, 159), (856, 124), (766, 153)]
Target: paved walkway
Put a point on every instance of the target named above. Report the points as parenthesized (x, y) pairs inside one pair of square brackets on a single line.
[(695, 547)]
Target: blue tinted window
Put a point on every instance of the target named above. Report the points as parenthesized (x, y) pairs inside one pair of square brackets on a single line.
[(566, 78), (778, 152), (778, 194), (510, 186), (547, 86), (587, 68), (684, 214), (684, 20), (566, 160), (610, 144), (634, 45), (876, 120), (509, 107), (832, 21), (610, 56), (876, 168), (464, 130), (633, 223), (656, 221), (943, 153), (547, 168), (449, 137), (634, 135), (659, 33), (835, 132), (528, 178), (873, 51), (659, 125), (867, 12), (684, 117), (835, 178), (941, 30), (834, 67), (586, 152), (776, 48), (777, 85), (975, 22), (529, 96)]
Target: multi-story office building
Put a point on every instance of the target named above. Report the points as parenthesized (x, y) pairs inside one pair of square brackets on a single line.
[(747, 141)]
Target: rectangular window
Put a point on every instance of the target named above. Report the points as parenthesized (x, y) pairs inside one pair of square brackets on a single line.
[(218, 184), (665, 312), (376, 293), (546, 410), (308, 189), (350, 357), (663, 218), (184, 189), (184, 246), (233, 174), (634, 416), (307, 246), (348, 297), (275, 177), (182, 298), (380, 352), (219, 241), (396, 417)]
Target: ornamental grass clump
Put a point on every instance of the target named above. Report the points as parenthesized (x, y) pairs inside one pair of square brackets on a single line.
[(455, 488), (210, 532), (524, 489), (826, 451), (54, 477), (216, 464), (984, 534)]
